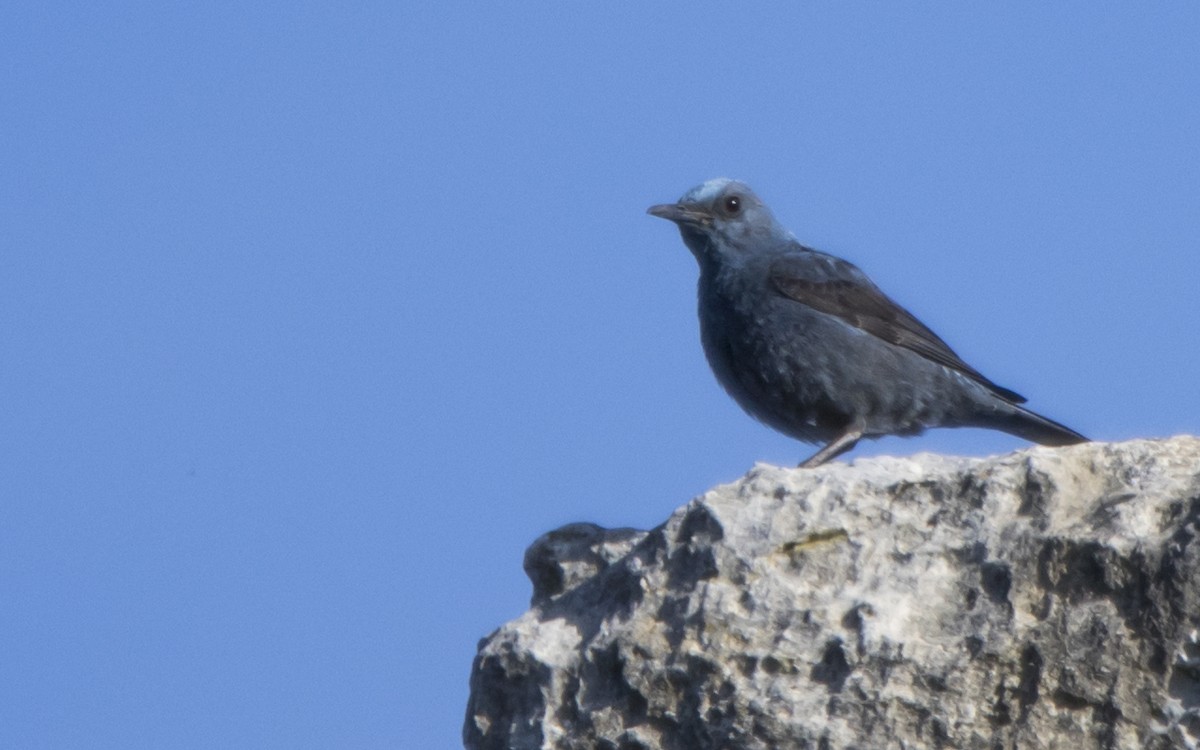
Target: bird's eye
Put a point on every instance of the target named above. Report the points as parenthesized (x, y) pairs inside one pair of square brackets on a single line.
[(732, 205)]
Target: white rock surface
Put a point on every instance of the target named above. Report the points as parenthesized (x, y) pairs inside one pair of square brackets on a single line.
[(1048, 598)]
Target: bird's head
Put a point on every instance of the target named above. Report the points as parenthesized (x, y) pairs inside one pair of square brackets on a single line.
[(722, 221)]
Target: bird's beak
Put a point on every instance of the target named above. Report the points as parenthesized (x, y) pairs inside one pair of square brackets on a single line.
[(679, 214)]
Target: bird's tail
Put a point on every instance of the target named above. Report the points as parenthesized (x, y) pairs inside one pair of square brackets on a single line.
[(1023, 423)]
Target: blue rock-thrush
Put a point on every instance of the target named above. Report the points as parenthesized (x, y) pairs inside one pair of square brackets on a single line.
[(808, 345)]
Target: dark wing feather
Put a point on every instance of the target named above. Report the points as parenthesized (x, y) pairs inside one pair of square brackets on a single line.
[(845, 292)]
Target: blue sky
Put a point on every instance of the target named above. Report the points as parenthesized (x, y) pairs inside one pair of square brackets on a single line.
[(313, 318)]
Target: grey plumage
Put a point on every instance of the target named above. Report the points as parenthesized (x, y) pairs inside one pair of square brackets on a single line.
[(808, 345)]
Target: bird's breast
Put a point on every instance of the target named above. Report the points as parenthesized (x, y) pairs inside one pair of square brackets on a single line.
[(762, 353)]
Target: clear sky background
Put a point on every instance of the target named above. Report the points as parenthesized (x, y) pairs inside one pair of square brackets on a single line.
[(313, 317)]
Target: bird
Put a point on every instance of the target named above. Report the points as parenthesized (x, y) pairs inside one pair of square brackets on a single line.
[(807, 344)]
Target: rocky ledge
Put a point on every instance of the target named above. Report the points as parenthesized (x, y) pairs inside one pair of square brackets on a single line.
[(1044, 599)]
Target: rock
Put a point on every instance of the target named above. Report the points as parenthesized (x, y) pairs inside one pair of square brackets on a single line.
[(1045, 599)]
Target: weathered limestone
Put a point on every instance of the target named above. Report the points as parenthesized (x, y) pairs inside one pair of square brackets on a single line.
[(1048, 598)]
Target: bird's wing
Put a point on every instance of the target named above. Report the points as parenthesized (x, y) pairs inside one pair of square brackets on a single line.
[(838, 288)]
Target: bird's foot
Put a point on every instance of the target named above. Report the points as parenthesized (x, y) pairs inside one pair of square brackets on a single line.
[(836, 447)]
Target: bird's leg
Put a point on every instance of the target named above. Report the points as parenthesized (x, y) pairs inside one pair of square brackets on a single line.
[(836, 447)]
